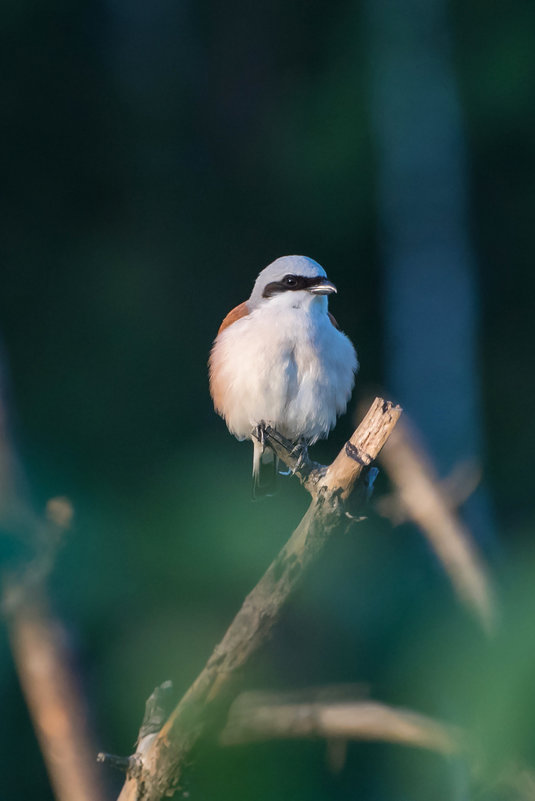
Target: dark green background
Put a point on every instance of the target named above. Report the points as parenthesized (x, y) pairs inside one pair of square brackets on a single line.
[(154, 159)]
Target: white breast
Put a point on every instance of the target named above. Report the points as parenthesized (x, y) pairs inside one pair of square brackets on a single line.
[(290, 368)]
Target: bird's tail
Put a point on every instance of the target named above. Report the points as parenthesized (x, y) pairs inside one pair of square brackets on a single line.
[(265, 468)]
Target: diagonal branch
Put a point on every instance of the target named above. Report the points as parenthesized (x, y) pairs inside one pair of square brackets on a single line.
[(37, 638), (424, 501), (209, 697)]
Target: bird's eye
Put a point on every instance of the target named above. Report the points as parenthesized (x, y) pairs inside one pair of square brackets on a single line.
[(289, 280)]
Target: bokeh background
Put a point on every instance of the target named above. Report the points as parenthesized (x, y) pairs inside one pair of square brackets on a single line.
[(155, 156)]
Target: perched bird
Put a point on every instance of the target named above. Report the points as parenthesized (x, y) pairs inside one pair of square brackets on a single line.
[(279, 359)]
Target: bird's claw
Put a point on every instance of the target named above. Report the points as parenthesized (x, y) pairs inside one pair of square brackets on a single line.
[(301, 450)]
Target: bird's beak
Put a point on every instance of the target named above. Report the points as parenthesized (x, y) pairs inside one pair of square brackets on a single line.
[(325, 288)]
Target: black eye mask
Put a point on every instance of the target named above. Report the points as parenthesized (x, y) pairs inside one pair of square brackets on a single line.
[(292, 283)]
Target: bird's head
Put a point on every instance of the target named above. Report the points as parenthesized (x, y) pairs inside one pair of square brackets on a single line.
[(292, 281)]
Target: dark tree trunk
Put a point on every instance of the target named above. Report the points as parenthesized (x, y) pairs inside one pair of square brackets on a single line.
[(431, 304)]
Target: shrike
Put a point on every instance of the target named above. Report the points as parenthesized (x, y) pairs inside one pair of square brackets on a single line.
[(279, 359)]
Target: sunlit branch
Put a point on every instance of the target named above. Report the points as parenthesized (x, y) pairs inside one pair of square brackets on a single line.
[(159, 770)]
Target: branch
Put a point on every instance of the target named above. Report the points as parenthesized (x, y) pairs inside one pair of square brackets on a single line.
[(358, 453), (455, 488), (53, 698), (209, 697), (256, 717), (37, 638), (425, 502), (157, 708), (42, 661), (261, 716)]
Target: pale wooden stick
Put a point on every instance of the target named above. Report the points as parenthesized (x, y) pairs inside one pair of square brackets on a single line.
[(260, 716), (54, 701), (209, 696), (455, 488), (40, 653), (426, 504), (253, 718)]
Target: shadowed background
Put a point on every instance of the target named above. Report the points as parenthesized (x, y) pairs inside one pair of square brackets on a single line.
[(155, 158)]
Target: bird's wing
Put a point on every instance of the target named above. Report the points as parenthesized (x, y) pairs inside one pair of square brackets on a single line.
[(236, 314), (332, 318), (214, 363)]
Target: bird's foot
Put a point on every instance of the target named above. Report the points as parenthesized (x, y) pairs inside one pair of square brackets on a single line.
[(300, 450), (298, 459)]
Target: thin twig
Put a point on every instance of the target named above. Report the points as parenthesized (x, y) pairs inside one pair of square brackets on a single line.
[(425, 502), (53, 698), (37, 638), (261, 716), (157, 709), (254, 717), (455, 488), (209, 697)]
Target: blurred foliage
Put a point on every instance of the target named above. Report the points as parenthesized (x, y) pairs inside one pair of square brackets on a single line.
[(155, 157)]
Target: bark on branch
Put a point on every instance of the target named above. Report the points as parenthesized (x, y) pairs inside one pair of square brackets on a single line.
[(159, 769)]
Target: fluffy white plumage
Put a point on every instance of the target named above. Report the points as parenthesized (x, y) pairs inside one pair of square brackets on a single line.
[(283, 363)]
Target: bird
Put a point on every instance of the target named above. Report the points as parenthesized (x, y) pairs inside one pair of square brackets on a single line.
[(280, 359)]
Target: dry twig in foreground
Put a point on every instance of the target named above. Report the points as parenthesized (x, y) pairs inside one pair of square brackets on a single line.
[(159, 769), (54, 701), (37, 639)]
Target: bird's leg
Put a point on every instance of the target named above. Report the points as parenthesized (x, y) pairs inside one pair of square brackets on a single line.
[(267, 435), (297, 458), (263, 432), (260, 433)]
